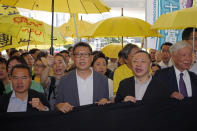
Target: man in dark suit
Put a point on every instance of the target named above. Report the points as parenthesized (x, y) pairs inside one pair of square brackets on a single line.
[(181, 82), (82, 86), (142, 85), (22, 99)]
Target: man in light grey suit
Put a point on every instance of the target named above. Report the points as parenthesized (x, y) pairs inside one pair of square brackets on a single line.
[(82, 86)]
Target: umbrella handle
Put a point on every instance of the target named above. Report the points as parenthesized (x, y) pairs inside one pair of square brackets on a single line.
[(29, 39)]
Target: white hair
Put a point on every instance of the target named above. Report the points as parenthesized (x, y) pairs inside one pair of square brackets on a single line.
[(179, 45)]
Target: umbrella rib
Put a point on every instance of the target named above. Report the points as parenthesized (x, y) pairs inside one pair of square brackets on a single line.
[(97, 8), (68, 7), (83, 6), (16, 2), (33, 5)]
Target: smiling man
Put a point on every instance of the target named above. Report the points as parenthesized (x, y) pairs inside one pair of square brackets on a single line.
[(142, 85), (181, 82), (22, 98), (82, 86)]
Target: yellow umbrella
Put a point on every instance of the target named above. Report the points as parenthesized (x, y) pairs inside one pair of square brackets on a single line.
[(20, 43), (20, 27), (70, 6), (179, 19), (112, 50), (41, 47), (121, 26), (68, 29)]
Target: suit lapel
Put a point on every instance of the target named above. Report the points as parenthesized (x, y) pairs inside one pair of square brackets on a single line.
[(148, 90), (6, 102), (75, 88), (172, 79), (132, 90), (193, 84), (29, 106)]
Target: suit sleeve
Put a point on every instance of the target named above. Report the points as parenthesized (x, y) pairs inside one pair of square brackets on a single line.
[(119, 95), (60, 94), (44, 100)]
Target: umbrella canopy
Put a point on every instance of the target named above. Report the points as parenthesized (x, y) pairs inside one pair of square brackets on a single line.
[(20, 27), (121, 26), (179, 19), (68, 29), (112, 50), (70, 6)]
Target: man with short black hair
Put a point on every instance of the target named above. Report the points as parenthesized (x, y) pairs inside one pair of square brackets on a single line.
[(125, 70), (165, 55), (22, 98), (83, 85)]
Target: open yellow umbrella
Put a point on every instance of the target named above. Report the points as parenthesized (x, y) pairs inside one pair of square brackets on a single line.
[(69, 6), (112, 50), (22, 27), (68, 29), (179, 19), (121, 26)]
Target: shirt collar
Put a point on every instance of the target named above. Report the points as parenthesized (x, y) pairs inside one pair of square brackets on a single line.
[(177, 72), (13, 96), (147, 81), (89, 77)]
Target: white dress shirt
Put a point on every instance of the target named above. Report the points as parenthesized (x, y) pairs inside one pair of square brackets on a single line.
[(163, 65), (186, 79), (85, 89)]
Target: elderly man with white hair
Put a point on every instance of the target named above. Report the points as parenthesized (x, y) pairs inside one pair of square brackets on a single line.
[(181, 82)]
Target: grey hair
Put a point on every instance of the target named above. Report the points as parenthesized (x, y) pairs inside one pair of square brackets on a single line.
[(127, 49), (179, 45)]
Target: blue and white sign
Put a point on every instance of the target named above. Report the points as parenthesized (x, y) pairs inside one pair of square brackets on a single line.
[(155, 8)]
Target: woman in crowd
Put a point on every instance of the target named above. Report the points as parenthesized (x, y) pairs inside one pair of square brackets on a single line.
[(58, 64), (38, 67), (99, 64)]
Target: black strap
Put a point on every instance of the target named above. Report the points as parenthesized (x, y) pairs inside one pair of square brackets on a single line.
[(52, 88)]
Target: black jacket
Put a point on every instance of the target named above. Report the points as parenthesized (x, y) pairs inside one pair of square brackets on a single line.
[(155, 90), (4, 101)]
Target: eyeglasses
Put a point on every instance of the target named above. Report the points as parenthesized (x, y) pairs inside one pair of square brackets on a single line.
[(78, 55)]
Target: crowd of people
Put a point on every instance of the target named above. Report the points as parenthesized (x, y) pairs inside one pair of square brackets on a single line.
[(37, 81)]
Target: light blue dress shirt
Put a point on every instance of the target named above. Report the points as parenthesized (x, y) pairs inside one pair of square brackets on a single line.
[(16, 104)]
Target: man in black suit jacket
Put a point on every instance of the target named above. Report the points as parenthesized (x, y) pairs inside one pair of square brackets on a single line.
[(182, 58), (142, 85), (22, 99)]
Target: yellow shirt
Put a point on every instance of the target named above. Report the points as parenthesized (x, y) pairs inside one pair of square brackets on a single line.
[(120, 74), (37, 79)]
